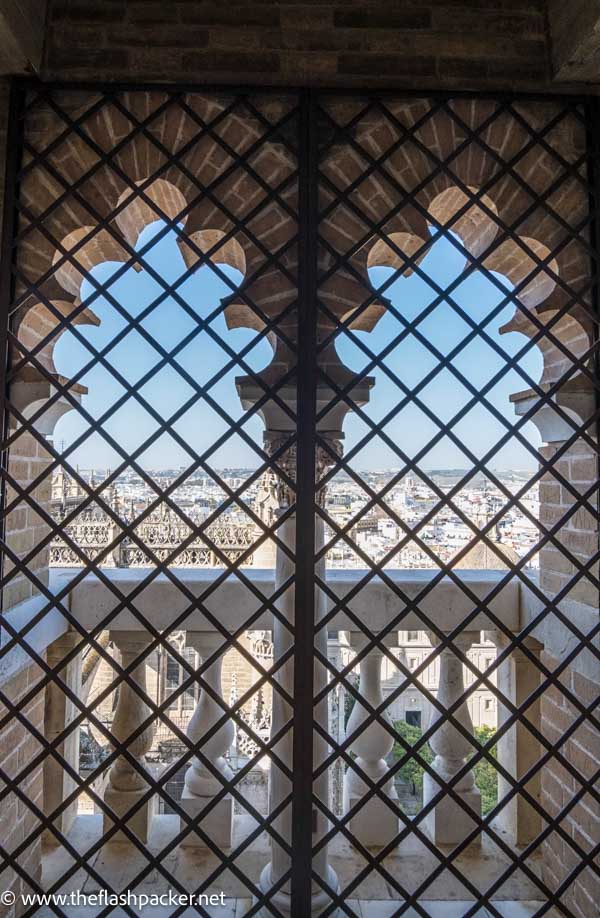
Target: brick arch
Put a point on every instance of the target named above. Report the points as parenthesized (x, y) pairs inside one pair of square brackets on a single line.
[(443, 136), (74, 161), (139, 129), (229, 252), (568, 330), (475, 228), (32, 385), (207, 154), (133, 217), (478, 161), (92, 248), (40, 320), (107, 128), (382, 255), (440, 138), (537, 285), (255, 226), (514, 261)]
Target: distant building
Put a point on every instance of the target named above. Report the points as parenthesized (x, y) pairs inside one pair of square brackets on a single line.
[(375, 531)]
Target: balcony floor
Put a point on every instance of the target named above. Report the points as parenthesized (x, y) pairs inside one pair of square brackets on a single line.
[(446, 897), (361, 908)]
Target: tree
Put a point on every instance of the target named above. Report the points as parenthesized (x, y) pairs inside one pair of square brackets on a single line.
[(412, 771), (486, 777)]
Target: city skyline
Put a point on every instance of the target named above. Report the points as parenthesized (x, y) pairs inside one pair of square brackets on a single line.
[(412, 521)]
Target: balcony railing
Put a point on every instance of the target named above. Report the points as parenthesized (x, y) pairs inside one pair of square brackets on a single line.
[(220, 816)]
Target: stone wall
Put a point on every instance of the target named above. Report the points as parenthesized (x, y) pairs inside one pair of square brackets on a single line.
[(579, 534), (17, 744), (582, 823), (341, 42), (18, 747)]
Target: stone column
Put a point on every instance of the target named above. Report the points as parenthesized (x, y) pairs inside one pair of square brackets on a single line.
[(375, 823), (336, 722), (321, 748), (59, 711), (518, 749), (280, 786), (448, 823), (126, 784), (201, 785)]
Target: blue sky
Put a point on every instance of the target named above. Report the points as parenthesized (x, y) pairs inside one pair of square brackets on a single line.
[(203, 357)]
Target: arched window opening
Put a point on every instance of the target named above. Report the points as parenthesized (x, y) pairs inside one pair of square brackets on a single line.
[(299, 483)]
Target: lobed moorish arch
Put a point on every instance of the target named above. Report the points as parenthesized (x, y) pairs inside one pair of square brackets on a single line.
[(101, 167), (141, 155), (471, 167)]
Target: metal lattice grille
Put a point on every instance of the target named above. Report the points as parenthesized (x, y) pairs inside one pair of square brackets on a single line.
[(499, 184), (229, 275), (214, 171)]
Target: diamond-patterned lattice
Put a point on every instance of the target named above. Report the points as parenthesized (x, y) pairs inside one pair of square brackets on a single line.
[(163, 185), (437, 178), (187, 271)]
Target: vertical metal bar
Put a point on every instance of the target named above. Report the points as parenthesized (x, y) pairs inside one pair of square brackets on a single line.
[(302, 804), (592, 111), (14, 148)]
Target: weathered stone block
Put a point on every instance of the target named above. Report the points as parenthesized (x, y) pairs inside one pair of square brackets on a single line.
[(121, 802), (448, 823), (217, 824), (375, 824)]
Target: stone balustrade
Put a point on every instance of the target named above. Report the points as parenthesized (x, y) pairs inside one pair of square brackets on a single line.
[(235, 599), (233, 602)]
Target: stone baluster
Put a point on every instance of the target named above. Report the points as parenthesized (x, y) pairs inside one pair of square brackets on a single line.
[(201, 784), (59, 711), (126, 783), (375, 823), (518, 749), (336, 720), (448, 823)]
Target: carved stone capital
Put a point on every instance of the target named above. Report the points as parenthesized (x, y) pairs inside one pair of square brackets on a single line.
[(325, 459), (283, 492)]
